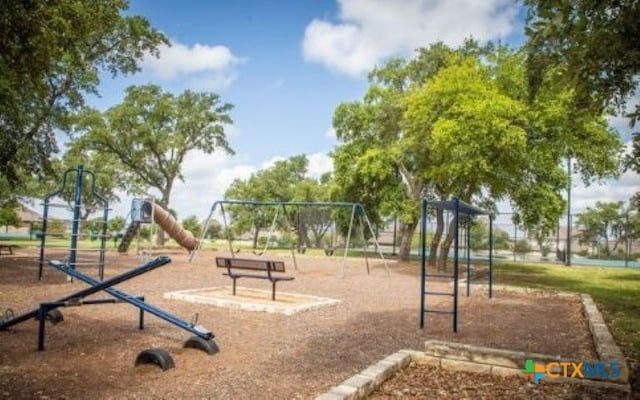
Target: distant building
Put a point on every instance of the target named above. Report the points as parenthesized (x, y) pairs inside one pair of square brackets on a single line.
[(27, 217)]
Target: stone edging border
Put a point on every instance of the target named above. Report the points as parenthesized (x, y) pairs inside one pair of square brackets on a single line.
[(462, 357)]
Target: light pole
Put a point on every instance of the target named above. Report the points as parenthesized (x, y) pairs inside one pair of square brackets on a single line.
[(568, 248), (627, 240)]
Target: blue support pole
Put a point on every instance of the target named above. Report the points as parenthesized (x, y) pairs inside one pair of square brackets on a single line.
[(43, 236), (455, 265), (490, 255), (75, 223), (467, 240), (45, 219), (423, 259)]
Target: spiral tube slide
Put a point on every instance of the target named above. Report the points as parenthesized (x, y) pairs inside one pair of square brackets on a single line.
[(169, 224)]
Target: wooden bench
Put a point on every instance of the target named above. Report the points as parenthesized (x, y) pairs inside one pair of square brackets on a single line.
[(8, 247), (270, 270)]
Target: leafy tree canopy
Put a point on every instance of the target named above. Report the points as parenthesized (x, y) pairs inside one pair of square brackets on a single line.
[(590, 47), (595, 44), (51, 54), (460, 122), (285, 181), (608, 224), (151, 133)]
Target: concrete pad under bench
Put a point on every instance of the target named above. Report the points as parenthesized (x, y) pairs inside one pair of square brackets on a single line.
[(249, 299)]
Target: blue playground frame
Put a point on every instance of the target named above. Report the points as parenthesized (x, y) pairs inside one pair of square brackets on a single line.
[(458, 208)]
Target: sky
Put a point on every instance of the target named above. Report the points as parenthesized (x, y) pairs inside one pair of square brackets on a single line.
[(286, 65)]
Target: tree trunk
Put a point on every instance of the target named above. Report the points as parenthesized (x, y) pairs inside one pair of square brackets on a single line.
[(164, 203), (406, 234), (256, 233), (437, 236), (446, 246), (304, 236)]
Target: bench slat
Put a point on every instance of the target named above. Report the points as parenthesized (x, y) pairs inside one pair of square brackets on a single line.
[(250, 264), (273, 278), (255, 265)]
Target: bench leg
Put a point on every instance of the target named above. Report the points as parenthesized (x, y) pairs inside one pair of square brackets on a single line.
[(273, 291), (234, 286)]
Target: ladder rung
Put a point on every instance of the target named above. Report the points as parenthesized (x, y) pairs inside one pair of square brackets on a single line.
[(440, 293), (438, 311), (439, 276)]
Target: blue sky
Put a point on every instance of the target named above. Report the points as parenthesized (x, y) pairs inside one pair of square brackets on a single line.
[(287, 64)]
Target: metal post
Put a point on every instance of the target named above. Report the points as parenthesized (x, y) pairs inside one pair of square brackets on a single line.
[(558, 240), (455, 266), (227, 231), (568, 255), (423, 260), (346, 249), (627, 241), (286, 217), (75, 225), (141, 315), (467, 239), (365, 218), (515, 241), (43, 235), (103, 242), (490, 255), (395, 230), (45, 219), (42, 313)]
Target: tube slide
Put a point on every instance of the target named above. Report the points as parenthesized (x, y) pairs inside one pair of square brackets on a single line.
[(169, 224)]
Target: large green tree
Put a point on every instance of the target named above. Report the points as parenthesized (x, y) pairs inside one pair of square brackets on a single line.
[(472, 136), (595, 44), (100, 176), (608, 224), (9, 215), (375, 163), (151, 133), (284, 181), (51, 56), (460, 123), (591, 47)]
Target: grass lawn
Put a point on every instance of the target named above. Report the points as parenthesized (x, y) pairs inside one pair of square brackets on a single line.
[(616, 291)]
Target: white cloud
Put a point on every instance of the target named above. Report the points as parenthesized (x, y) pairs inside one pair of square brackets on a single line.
[(621, 189), (620, 122), (206, 178), (370, 30), (271, 162), (319, 163), (212, 67)]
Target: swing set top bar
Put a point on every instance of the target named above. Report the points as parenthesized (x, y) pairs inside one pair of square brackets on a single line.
[(463, 207), (289, 203)]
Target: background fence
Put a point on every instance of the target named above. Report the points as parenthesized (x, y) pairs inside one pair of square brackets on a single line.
[(513, 243)]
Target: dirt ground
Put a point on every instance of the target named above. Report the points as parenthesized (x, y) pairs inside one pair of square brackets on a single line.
[(91, 353)]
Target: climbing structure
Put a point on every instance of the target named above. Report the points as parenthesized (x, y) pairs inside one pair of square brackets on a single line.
[(457, 209), (81, 189)]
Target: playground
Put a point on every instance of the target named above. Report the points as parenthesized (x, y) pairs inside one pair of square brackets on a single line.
[(262, 354)]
